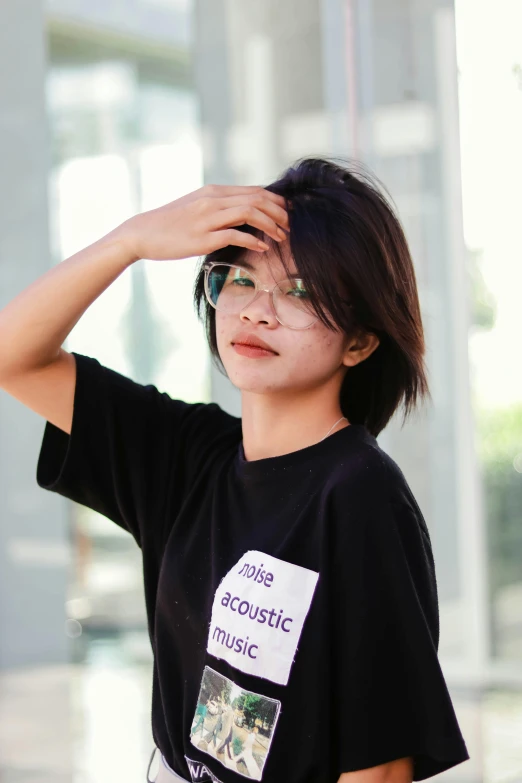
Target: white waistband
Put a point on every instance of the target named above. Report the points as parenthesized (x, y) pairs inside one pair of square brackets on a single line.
[(171, 771), (165, 773)]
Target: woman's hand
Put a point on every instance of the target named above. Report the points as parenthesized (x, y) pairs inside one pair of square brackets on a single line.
[(202, 221)]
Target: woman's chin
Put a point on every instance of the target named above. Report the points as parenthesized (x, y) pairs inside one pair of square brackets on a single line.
[(255, 382), (255, 388)]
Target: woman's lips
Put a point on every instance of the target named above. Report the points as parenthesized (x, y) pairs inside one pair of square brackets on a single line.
[(253, 351)]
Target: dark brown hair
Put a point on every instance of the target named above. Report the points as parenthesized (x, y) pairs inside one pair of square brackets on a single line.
[(348, 245)]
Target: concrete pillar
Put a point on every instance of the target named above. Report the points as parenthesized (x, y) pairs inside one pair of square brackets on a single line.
[(34, 547)]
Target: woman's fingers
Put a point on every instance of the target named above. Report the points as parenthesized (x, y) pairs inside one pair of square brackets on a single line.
[(245, 214), (220, 191), (204, 220), (260, 201), (231, 236)]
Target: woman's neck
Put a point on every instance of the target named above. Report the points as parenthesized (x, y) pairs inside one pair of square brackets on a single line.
[(272, 428)]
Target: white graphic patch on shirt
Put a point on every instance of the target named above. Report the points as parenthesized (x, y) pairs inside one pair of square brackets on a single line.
[(258, 615)]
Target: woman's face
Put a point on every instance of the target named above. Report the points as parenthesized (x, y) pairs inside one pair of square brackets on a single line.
[(304, 358)]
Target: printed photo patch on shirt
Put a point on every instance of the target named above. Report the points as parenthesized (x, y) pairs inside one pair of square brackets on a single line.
[(200, 772), (258, 614), (233, 725)]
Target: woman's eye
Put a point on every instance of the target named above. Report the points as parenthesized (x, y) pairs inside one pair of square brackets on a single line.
[(300, 293), (243, 281)]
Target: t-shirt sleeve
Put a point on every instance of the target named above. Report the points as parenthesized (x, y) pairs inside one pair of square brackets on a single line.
[(391, 699), (130, 448)]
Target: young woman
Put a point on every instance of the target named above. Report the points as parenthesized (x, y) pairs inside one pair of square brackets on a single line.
[(286, 562)]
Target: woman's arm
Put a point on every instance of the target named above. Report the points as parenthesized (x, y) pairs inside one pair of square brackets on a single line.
[(398, 771), (33, 326)]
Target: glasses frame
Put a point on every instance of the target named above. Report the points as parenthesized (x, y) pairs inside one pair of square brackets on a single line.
[(211, 264)]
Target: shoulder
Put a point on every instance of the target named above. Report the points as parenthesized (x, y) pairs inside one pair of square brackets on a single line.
[(209, 431), (212, 417), (377, 522), (370, 489), (369, 473)]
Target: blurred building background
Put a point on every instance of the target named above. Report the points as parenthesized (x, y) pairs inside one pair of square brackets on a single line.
[(110, 108)]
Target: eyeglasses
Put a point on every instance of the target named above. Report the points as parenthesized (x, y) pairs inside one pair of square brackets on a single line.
[(231, 288)]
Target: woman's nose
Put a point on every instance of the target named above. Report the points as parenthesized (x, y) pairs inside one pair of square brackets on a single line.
[(260, 308)]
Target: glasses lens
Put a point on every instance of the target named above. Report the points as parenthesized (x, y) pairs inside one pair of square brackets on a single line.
[(230, 288), (292, 303)]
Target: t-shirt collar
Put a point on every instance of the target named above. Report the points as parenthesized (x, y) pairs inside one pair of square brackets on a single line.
[(282, 466)]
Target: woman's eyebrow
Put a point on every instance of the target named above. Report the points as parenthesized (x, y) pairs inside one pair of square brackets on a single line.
[(252, 267), (247, 264)]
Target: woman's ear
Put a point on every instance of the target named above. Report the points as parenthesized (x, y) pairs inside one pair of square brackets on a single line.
[(359, 347)]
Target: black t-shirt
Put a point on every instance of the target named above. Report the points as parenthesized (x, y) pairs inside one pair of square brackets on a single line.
[(292, 601)]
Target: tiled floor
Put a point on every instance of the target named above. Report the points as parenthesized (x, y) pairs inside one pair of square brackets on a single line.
[(90, 724)]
